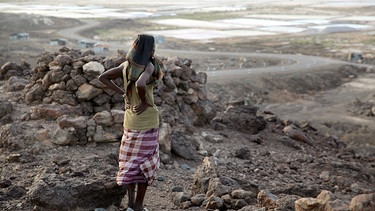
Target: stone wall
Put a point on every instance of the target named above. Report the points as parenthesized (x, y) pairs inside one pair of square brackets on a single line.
[(64, 87)]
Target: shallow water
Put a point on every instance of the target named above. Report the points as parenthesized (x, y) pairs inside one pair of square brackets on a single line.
[(256, 24)]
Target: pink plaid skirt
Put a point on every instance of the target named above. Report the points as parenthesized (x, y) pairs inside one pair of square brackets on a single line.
[(139, 157)]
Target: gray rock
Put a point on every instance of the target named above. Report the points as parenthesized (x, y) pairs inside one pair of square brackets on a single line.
[(105, 134), (287, 141), (92, 70), (242, 118), (303, 190), (15, 192), (55, 75), (92, 192), (363, 202), (16, 83), (181, 145), (34, 93), (267, 199), (10, 69), (239, 203), (64, 98), (78, 81), (180, 197), (213, 203), (6, 108), (242, 194), (177, 189), (66, 121), (286, 203), (243, 153), (103, 118), (63, 136), (118, 116), (61, 60), (102, 99), (216, 188), (297, 134), (87, 92), (165, 141), (52, 112), (197, 200), (252, 208)]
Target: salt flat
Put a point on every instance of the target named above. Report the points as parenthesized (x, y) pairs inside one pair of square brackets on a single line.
[(261, 17)]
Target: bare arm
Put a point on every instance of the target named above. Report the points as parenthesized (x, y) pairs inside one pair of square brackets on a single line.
[(141, 88), (111, 74)]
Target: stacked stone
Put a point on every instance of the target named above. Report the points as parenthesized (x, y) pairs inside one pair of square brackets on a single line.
[(11, 69), (214, 191), (65, 87), (69, 77), (182, 95)]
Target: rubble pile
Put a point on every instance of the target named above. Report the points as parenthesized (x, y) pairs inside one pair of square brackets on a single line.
[(61, 127), (319, 173), (64, 87)]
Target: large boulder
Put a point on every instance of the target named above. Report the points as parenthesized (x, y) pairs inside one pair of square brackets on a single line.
[(51, 191), (182, 145), (242, 118)]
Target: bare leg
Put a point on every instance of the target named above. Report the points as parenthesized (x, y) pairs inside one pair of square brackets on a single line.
[(131, 195), (141, 191)]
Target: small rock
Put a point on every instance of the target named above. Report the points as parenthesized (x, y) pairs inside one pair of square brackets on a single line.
[(242, 194), (214, 203), (160, 178), (5, 183), (177, 189), (197, 200), (185, 167), (256, 139), (180, 197), (243, 153), (324, 175), (267, 199), (14, 158), (240, 203)]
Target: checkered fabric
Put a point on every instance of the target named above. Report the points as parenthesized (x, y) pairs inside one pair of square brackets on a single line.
[(139, 157)]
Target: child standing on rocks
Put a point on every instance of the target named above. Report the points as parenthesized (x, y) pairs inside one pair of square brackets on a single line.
[(139, 150)]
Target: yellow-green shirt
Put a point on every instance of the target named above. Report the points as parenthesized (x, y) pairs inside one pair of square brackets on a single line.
[(146, 120)]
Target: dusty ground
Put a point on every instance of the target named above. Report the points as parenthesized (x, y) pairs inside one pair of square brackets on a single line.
[(305, 104), (336, 107)]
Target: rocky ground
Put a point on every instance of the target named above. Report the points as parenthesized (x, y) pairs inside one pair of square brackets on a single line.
[(270, 164)]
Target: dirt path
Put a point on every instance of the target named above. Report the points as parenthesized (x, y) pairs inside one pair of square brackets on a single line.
[(73, 33), (290, 62), (326, 108)]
